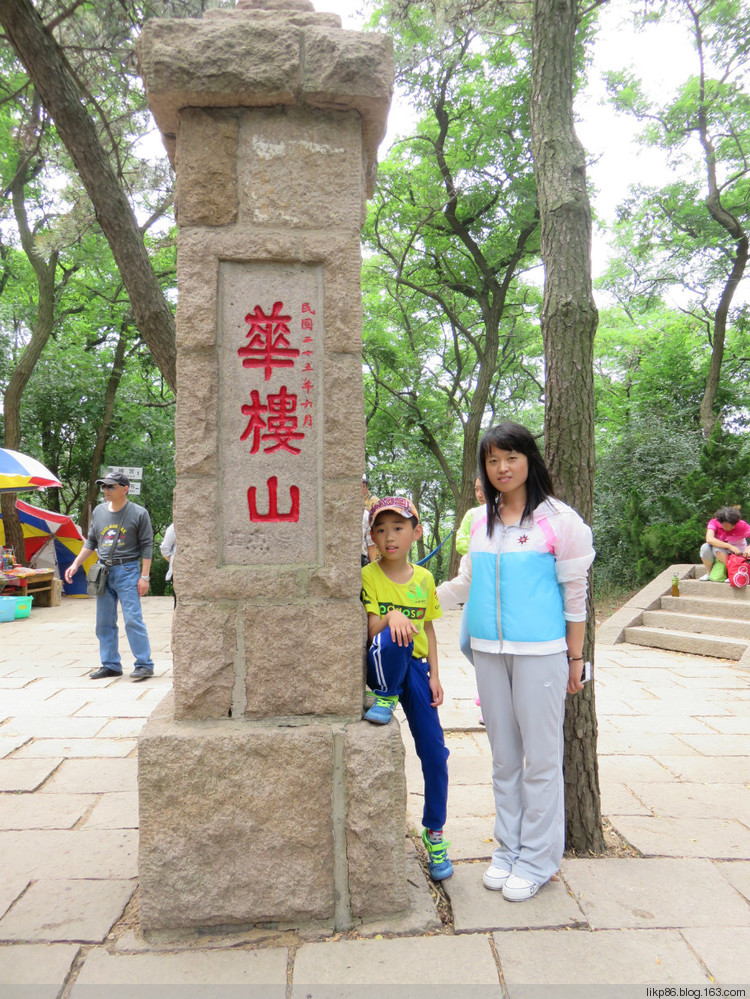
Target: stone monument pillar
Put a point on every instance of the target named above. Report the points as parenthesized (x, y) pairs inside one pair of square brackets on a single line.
[(263, 796)]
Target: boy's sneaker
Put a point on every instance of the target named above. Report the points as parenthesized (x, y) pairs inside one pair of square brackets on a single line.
[(440, 867), (518, 889), (381, 711)]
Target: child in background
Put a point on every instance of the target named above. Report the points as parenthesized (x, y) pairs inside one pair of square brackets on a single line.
[(402, 661), (463, 534), (463, 537)]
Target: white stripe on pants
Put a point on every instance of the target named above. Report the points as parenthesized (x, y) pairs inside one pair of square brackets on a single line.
[(523, 706)]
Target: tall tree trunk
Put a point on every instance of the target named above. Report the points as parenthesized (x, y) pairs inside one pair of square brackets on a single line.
[(731, 224), (40, 333), (46, 65), (569, 320), (105, 425)]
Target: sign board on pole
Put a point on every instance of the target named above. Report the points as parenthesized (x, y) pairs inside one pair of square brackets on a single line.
[(132, 473)]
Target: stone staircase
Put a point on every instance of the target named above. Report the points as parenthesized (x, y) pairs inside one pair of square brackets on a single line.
[(707, 619)]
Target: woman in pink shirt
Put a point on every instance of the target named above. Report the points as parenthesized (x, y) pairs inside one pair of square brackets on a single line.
[(726, 534)]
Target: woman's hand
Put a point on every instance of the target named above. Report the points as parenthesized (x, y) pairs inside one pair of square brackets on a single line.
[(575, 671)]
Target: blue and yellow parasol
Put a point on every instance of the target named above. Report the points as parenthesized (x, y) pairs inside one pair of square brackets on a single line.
[(19, 473)]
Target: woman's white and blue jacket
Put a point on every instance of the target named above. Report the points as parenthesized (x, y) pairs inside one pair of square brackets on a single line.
[(525, 582)]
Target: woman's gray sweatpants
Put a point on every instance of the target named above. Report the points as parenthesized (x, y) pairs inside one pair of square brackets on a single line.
[(523, 706)]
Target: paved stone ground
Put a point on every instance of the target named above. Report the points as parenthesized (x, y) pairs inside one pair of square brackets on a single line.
[(674, 742)]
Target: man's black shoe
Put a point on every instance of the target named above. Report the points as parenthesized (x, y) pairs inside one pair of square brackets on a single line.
[(141, 673), (103, 672)]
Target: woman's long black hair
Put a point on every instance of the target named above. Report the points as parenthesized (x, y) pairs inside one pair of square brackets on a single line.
[(513, 437)]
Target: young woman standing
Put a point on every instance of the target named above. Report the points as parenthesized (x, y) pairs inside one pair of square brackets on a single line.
[(525, 579)]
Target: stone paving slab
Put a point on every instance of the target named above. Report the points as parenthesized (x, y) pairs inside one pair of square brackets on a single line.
[(618, 799), (437, 961), (695, 800), (76, 748), (631, 743), (124, 707), (471, 838), (623, 893), (26, 775), (12, 885), (119, 728), (60, 910), (116, 810), (719, 745), (728, 960), (36, 964), (477, 910), (604, 957), (685, 837), (730, 725), (700, 769), (662, 724), (78, 853), (470, 800), (32, 726), (737, 873), (622, 769), (32, 811), (245, 967), (94, 776), (42, 707), (10, 744)]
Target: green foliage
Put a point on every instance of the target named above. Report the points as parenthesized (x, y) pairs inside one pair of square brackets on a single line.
[(688, 239), (452, 341), (658, 486)]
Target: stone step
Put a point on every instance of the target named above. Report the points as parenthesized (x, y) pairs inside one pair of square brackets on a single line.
[(706, 606), (694, 588), (697, 623), (678, 641)]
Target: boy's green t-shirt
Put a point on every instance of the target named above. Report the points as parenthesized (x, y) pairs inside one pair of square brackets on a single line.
[(416, 599)]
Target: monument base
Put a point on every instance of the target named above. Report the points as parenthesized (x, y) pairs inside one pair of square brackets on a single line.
[(284, 822)]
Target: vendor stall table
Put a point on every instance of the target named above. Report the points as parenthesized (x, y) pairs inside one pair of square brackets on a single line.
[(37, 582)]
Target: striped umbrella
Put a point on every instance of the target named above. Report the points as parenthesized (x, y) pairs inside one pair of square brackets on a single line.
[(42, 527), (20, 474)]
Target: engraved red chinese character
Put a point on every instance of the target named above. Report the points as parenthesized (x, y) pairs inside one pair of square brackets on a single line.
[(307, 324), (273, 516), (256, 423), (269, 347), (306, 308), (279, 424), (281, 427)]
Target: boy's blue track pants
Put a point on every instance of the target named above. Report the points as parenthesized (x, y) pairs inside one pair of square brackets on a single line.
[(392, 670)]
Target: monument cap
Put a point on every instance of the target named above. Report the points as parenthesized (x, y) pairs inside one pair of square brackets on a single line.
[(114, 479), (399, 504)]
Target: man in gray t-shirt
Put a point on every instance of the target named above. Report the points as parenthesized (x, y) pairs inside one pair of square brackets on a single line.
[(122, 535)]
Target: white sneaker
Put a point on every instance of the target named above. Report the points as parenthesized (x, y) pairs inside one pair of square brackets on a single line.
[(704, 578), (518, 889), (494, 878)]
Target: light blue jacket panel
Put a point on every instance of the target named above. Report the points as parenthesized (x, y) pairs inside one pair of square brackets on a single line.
[(525, 582)]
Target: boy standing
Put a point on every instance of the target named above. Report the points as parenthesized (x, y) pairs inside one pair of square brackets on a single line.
[(402, 662)]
